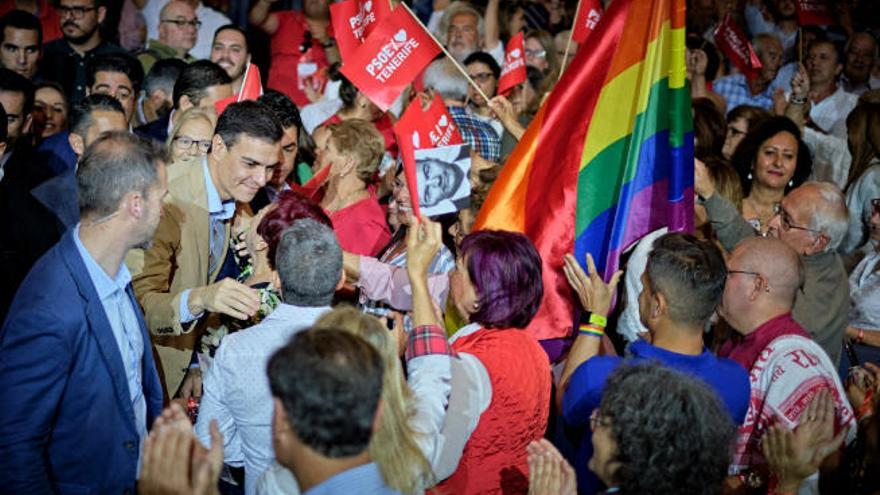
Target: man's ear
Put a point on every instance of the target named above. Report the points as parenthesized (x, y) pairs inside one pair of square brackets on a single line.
[(76, 142), (102, 13), (821, 243), (218, 147), (2, 148), (184, 103), (157, 97), (276, 281), (341, 282), (660, 306)]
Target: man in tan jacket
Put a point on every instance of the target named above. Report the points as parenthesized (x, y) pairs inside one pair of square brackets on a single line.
[(188, 272)]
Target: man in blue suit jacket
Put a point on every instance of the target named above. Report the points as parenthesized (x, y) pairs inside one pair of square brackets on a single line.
[(78, 385)]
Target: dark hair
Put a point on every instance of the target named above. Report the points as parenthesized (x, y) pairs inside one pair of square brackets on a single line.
[(690, 272), (20, 19), (116, 62), (743, 158), (329, 382), (53, 85), (347, 91), (231, 27), (484, 58), (81, 114), (505, 269), (837, 47), (3, 124), (16, 83), (163, 75), (713, 61), (283, 108), (250, 118), (751, 114), (289, 207), (196, 78), (710, 129), (673, 434), (114, 165)]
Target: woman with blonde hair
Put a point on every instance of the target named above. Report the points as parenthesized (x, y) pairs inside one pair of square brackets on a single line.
[(190, 137)]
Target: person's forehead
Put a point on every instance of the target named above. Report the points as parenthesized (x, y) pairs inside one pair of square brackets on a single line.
[(230, 37), (77, 3), (863, 43), (48, 94), (198, 125), (179, 9), (19, 36), (112, 77), (13, 101), (477, 66), (822, 49), (289, 135), (463, 18)]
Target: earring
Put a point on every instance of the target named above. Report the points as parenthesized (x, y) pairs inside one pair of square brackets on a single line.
[(791, 183), (749, 177)]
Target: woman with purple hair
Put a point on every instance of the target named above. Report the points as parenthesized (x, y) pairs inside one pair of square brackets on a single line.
[(500, 390)]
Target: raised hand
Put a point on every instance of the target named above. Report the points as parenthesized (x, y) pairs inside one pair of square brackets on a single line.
[(593, 293)]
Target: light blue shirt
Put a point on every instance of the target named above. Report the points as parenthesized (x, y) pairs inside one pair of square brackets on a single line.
[(366, 480), (236, 389), (126, 329), (219, 211)]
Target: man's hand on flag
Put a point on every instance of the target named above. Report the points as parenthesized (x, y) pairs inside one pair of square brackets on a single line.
[(594, 294)]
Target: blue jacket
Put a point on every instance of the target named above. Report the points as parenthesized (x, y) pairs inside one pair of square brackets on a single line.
[(66, 420)]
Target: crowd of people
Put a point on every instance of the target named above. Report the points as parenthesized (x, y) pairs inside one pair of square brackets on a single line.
[(243, 301)]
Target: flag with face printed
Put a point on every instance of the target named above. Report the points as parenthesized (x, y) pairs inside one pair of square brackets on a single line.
[(588, 17), (514, 70), (422, 127), (354, 20), (390, 58)]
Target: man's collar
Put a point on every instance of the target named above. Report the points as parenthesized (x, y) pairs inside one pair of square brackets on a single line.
[(216, 206)]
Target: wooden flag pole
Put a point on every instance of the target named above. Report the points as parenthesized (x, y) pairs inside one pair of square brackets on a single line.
[(457, 65), (800, 40), (577, 12)]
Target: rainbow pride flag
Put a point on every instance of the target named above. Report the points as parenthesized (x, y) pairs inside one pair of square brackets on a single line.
[(608, 157)]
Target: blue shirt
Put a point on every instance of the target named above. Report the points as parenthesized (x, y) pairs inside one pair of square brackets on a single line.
[(365, 480), (587, 384), (126, 329), (219, 211), (735, 90)]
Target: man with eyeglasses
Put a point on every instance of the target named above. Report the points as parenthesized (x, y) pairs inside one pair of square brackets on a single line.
[(117, 75), (681, 286), (787, 368), (812, 219), (64, 60), (209, 18), (178, 32)]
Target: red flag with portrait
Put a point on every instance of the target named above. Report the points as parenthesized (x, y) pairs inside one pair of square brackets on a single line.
[(814, 13), (731, 40), (390, 58), (589, 13), (513, 72), (420, 128), (354, 20)]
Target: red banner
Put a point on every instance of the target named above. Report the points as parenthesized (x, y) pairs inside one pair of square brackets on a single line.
[(251, 89), (814, 13), (420, 128), (514, 70), (731, 40), (589, 13), (390, 58), (354, 20)]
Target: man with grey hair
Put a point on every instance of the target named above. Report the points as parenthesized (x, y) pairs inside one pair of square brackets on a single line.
[(812, 219), (738, 90), (443, 77), (308, 271), (78, 385), (463, 31)]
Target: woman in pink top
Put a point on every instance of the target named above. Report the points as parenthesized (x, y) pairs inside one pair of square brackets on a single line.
[(353, 150)]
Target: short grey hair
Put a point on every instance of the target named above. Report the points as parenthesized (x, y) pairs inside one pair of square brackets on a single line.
[(454, 9), (830, 216), (116, 164), (444, 77), (760, 39), (309, 263)]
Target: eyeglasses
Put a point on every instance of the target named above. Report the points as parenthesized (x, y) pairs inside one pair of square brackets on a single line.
[(482, 76), (195, 23), (743, 272), (75, 12), (785, 220), (597, 420), (186, 142), (536, 53)]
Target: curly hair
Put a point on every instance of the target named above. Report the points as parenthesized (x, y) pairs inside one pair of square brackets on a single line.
[(671, 439)]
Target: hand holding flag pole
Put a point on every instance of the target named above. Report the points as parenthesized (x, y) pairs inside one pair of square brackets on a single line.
[(445, 52)]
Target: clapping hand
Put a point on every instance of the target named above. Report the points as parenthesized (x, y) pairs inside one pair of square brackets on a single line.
[(594, 294), (549, 472)]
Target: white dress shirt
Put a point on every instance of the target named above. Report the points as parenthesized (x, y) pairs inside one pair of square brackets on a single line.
[(830, 113), (236, 389)]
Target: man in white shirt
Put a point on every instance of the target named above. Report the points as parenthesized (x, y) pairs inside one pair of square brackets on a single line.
[(830, 103), (308, 266)]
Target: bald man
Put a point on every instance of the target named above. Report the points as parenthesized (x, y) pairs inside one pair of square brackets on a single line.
[(178, 33), (786, 367), (811, 219)]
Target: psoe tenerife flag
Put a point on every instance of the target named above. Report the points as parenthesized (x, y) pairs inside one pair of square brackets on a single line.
[(390, 58), (608, 157), (354, 20)]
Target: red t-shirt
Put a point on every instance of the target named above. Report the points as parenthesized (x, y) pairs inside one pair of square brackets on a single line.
[(361, 228), (288, 61)]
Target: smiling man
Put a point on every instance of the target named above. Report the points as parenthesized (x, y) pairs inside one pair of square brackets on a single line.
[(189, 272), (438, 181), (64, 60), (21, 40), (230, 51)]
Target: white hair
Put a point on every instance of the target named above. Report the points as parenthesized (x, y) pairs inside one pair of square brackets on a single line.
[(454, 9), (443, 77), (830, 216)]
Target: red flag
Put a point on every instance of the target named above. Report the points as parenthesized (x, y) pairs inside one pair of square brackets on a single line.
[(589, 13), (354, 20), (251, 89), (390, 58), (311, 188), (423, 128), (514, 70), (733, 42), (814, 13)]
